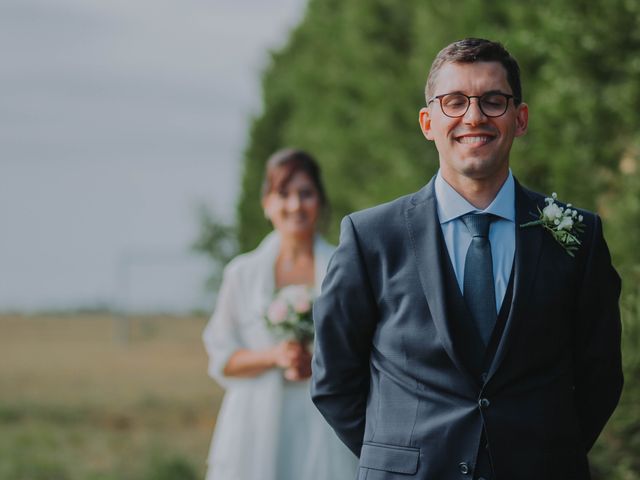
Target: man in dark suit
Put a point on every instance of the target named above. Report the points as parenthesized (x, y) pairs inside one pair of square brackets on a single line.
[(453, 342)]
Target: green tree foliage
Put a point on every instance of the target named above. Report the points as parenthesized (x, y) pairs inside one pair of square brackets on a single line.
[(216, 240), (342, 81), (349, 83)]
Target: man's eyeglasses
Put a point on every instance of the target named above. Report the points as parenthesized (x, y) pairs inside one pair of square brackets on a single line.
[(454, 105)]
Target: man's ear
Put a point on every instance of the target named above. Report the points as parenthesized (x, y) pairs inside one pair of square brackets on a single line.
[(522, 119), (425, 122)]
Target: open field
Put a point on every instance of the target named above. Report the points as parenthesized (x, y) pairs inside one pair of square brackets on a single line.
[(76, 404)]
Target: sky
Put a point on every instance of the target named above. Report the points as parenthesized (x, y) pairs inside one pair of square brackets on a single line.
[(117, 120)]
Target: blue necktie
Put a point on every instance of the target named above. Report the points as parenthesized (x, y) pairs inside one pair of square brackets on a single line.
[(479, 289)]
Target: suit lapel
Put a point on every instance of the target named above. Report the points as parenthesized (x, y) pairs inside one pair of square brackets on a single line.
[(527, 256), (426, 239)]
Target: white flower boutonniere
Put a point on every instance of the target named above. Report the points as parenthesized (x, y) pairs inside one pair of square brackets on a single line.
[(564, 223)]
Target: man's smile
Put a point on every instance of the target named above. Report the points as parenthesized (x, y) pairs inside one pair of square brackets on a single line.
[(475, 139)]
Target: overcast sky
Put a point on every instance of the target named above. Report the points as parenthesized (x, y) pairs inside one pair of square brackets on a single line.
[(117, 118)]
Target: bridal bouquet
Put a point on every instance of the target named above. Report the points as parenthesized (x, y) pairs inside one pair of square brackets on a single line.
[(289, 313)]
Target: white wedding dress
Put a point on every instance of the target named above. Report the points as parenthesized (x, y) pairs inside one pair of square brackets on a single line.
[(267, 427)]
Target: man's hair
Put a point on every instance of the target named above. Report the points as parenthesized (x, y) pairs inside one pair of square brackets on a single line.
[(471, 50)]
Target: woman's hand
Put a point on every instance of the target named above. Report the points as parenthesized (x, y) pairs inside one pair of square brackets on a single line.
[(301, 366), (294, 358), (291, 356), (284, 354)]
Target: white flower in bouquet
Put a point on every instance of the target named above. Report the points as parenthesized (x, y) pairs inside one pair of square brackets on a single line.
[(277, 311), (290, 313)]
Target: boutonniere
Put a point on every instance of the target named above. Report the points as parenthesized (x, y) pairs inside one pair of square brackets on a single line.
[(564, 223)]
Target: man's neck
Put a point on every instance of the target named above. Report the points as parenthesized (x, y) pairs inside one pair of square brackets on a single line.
[(478, 192)]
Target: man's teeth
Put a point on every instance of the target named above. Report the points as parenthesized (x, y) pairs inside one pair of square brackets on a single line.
[(478, 139)]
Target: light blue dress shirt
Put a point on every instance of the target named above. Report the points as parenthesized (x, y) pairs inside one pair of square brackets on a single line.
[(502, 233)]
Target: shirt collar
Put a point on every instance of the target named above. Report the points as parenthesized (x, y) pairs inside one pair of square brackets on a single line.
[(452, 205)]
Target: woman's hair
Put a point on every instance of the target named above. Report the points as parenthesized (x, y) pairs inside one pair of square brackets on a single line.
[(284, 164)]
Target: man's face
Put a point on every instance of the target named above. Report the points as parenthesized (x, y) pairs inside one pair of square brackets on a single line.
[(473, 146)]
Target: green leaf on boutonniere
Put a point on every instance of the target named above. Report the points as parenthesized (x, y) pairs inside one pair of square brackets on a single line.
[(564, 224)]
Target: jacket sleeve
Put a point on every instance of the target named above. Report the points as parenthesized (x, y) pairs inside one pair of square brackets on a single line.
[(345, 316), (598, 375)]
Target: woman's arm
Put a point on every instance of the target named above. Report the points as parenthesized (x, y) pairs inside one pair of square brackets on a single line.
[(229, 356), (250, 363)]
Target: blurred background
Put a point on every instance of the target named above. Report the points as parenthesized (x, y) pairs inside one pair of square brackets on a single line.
[(133, 137)]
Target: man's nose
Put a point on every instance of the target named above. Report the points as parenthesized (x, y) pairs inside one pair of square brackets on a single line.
[(474, 113)]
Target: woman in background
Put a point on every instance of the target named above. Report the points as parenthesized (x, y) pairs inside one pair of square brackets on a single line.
[(268, 428)]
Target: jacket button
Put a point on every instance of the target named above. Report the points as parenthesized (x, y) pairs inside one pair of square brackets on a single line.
[(464, 468), (484, 376), (484, 403)]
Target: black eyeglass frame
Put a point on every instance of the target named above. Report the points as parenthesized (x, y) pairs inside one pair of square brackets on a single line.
[(469, 97)]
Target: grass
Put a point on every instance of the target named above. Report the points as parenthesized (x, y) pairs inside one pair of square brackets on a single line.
[(76, 404)]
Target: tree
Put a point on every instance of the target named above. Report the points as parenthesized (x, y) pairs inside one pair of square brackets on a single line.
[(216, 240)]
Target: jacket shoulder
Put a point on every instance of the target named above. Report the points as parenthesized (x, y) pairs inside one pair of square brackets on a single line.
[(382, 215)]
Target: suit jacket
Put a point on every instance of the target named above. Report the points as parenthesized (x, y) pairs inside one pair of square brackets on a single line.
[(391, 373)]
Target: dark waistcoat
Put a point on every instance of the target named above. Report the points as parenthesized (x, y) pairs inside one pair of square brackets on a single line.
[(477, 357)]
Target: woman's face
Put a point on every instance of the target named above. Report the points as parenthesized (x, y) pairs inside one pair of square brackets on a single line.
[(294, 209)]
